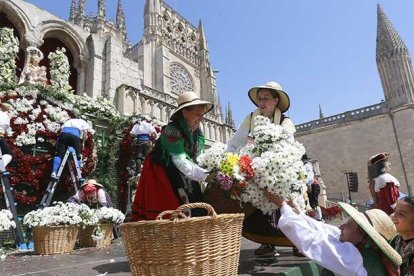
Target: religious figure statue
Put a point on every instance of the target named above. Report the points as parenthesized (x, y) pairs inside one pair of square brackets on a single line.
[(32, 72)]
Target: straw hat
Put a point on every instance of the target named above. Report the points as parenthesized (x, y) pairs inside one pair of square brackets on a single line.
[(284, 101), (188, 99), (378, 226), (91, 182)]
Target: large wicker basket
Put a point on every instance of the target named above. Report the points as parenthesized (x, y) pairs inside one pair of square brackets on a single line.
[(54, 239), (86, 240), (208, 245)]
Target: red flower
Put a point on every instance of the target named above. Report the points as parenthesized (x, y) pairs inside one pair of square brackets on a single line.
[(245, 164)]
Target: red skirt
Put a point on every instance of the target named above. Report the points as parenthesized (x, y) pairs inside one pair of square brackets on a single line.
[(154, 193), (388, 196)]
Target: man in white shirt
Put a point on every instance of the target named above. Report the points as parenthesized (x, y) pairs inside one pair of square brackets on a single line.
[(357, 247), (73, 134), (313, 187), (4, 126)]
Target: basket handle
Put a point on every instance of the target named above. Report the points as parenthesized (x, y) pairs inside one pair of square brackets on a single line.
[(208, 207), (174, 214)]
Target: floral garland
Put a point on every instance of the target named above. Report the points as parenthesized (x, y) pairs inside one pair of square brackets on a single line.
[(9, 48), (273, 163), (59, 70), (35, 123), (128, 171), (6, 220)]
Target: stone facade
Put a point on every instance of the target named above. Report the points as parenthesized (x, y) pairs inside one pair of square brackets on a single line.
[(344, 142), (172, 57)]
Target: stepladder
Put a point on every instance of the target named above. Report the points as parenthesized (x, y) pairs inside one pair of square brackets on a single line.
[(75, 173), (11, 204)]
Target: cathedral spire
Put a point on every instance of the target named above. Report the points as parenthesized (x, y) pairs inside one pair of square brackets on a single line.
[(229, 115), (202, 37), (120, 18), (81, 12), (152, 12), (73, 12), (388, 40), (101, 9), (321, 116), (394, 63)]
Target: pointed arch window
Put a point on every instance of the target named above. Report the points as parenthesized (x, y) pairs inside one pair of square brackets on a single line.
[(181, 80)]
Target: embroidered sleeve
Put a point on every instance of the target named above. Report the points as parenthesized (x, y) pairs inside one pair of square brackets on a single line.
[(188, 168), (172, 140)]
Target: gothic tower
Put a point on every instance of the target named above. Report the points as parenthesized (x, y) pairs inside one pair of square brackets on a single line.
[(394, 63), (174, 55)]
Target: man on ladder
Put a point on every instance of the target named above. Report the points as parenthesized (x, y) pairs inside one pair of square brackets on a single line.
[(73, 134), (68, 148), (5, 158)]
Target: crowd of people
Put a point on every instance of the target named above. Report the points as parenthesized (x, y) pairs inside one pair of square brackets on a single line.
[(368, 243), (375, 242)]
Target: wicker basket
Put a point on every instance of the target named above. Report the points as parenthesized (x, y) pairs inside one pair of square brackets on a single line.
[(208, 245), (86, 240), (54, 239)]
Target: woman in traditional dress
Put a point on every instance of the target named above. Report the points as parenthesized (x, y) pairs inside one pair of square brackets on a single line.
[(385, 188), (272, 102), (170, 176), (403, 243)]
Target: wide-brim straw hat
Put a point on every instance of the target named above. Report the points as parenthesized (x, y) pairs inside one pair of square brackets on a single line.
[(188, 99), (284, 101), (92, 182), (378, 226)]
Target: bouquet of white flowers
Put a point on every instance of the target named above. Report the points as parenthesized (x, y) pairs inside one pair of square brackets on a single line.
[(60, 214), (6, 220), (109, 214), (273, 163)]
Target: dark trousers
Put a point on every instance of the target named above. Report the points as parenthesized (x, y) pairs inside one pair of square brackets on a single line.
[(4, 147), (66, 140)]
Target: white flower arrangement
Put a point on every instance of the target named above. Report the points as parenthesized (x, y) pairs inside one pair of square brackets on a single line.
[(59, 70), (212, 158), (276, 163), (6, 220), (59, 214), (109, 214), (9, 48)]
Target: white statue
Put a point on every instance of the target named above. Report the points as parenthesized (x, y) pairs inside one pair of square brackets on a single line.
[(32, 72)]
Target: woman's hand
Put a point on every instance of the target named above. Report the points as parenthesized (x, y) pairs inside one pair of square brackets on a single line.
[(276, 199), (210, 177)]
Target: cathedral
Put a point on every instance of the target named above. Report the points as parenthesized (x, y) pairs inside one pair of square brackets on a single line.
[(172, 57), (344, 142)]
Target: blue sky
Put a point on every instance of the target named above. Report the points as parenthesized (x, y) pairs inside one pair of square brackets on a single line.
[(320, 51)]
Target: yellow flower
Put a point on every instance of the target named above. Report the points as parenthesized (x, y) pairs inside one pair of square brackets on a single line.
[(229, 162)]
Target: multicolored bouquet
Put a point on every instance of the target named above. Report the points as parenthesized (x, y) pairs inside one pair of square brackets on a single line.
[(233, 170), (273, 163)]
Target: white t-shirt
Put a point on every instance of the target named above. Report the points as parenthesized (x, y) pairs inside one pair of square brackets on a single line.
[(77, 123), (142, 128)]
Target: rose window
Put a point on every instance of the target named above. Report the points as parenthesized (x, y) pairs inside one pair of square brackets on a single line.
[(181, 80)]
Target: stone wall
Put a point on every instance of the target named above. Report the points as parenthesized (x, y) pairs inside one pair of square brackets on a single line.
[(345, 146)]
